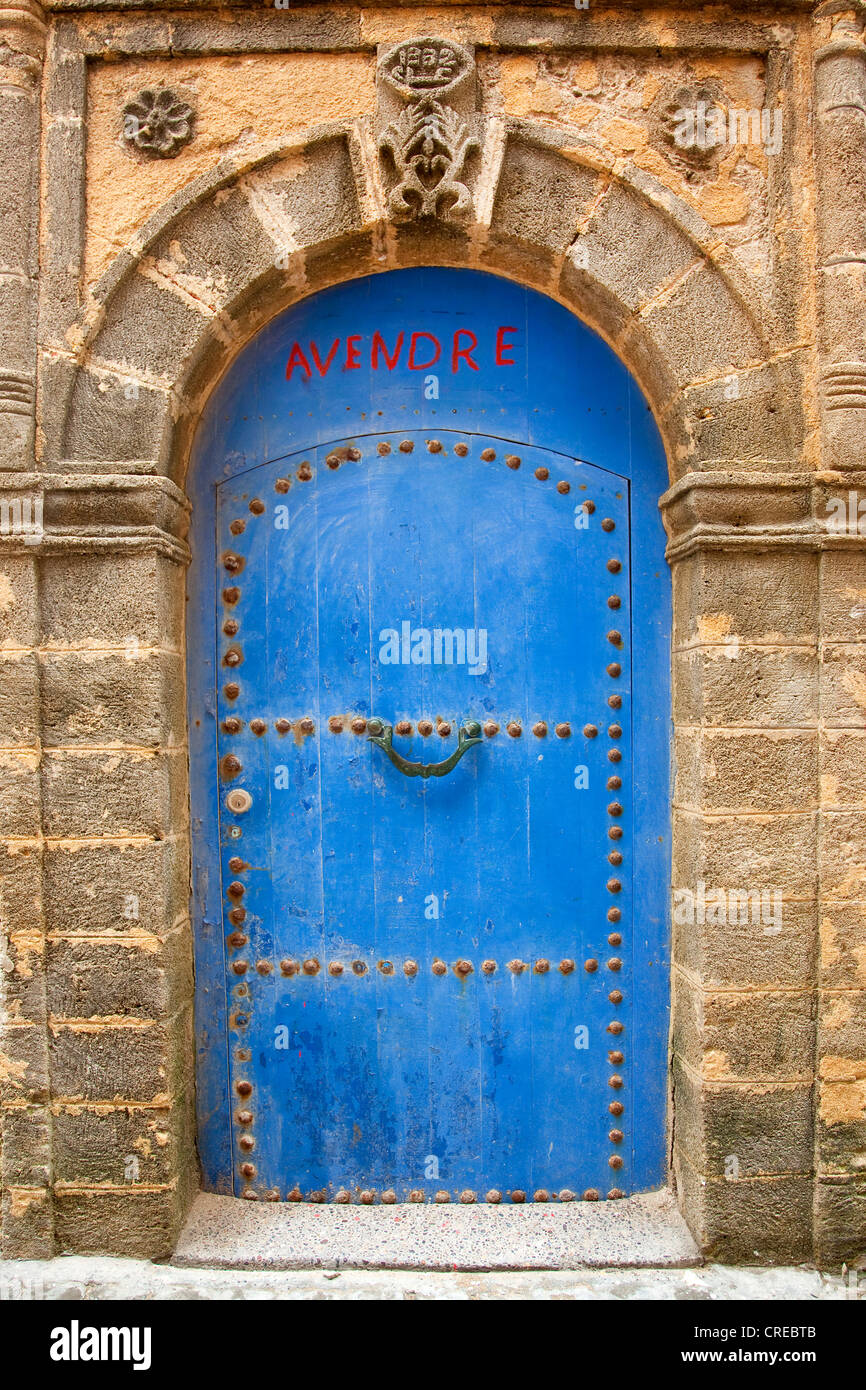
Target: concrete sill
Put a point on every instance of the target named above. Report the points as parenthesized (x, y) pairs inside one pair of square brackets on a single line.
[(635, 1233)]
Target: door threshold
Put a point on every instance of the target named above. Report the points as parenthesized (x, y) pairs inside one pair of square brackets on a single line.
[(633, 1233)]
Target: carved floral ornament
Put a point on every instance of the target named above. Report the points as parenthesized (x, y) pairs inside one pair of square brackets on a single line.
[(428, 142), (157, 123)]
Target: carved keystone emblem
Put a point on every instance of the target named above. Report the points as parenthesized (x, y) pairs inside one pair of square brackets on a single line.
[(427, 87), (157, 123)]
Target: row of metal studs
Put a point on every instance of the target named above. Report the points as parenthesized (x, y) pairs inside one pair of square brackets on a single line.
[(614, 885), (312, 966), (367, 1197), (358, 725)]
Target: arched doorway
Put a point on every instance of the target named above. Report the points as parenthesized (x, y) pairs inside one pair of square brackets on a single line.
[(428, 681)]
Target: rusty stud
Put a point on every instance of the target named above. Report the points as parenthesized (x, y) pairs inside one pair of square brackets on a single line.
[(231, 765), (233, 563), (614, 809), (614, 858), (404, 728), (461, 450), (443, 729), (488, 966), (614, 601), (615, 1161), (244, 1117), (614, 670), (614, 637), (541, 1195), (467, 1197), (410, 967), (614, 755), (614, 885), (614, 566), (615, 832), (518, 1195), (614, 784), (616, 1136), (615, 701), (542, 967), (359, 968), (563, 487), (591, 1194), (232, 725), (230, 627), (416, 1195), (488, 455), (305, 472), (540, 729), (434, 446), (335, 968), (311, 966), (342, 1197), (257, 506), (359, 725), (616, 1059), (590, 966), (335, 724), (318, 1196), (406, 446), (608, 524), (235, 889), (296, 1195), (386, 967), (231, 595), (306, 725), (264, 967), (248, 1170), (250, 1195), (389, 1197), (463, 967), (425, 728), (439, 967), (616, 1082), (514, 729), (237, 528), (491, 728), (516, 967), (289, 967), (589, 731), (614, 730), (542, 474), (566, 966), (282, 485), (366, 1198), (614, 963), (282, 726), (512, 461), (494, 1196), (247, 1143), (615, 1193), (383, 448), (244, 1088), (353, 455), (258, 726), (231, 691), (237, 940), (615, 997), (563, 731), (613, 914), (333, 460), (616, 1107), (240, 967), (566, 1195), (442, 1196), (614, 939)]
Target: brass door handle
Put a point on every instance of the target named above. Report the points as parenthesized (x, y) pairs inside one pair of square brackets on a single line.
[(382, 734)]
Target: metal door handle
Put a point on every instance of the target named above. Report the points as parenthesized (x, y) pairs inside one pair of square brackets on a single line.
[(382, 734)]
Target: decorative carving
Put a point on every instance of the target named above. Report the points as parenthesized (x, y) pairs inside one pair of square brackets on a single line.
[(428, 140), (158, 123), (680, 128)]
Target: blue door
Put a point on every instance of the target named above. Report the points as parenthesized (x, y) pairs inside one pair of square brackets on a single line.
[(441, 959)]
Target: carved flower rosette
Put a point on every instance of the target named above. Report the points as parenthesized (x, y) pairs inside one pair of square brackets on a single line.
[(157, 123)]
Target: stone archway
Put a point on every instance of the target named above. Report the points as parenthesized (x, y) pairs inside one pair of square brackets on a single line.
[(215, 264)]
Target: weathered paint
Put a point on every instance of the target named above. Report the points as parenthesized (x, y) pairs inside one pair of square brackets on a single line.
[(354, 554)]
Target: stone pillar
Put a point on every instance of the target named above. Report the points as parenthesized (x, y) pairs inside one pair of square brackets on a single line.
[(22, 43), (840, 1102)]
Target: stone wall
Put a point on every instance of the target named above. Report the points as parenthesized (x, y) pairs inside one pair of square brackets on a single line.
[(731, 284)]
